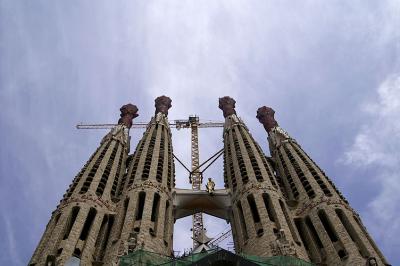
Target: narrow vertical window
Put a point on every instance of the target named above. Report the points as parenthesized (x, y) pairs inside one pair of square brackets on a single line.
[(307, 241), (242, 222), (88, 224), (289, 222), (328, 226), (269, 207), (352, 233), (110, 224), (71, 221), (302, 233), (253, 208), (313, 232), (154, 213), (166, 223), (123, 217), (139, 212)]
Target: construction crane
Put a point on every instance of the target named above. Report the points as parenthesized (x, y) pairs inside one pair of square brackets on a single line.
[(195, 177), (221, 238)]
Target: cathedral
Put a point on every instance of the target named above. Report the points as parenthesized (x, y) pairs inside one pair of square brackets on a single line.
[(122, 203)]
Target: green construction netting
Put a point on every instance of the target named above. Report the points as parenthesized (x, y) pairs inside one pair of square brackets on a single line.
[(277, 260), (146, 258)]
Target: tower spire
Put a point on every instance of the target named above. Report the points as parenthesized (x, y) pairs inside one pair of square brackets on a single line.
[(261, 221), (330, 229), (144, 216), (128, 113), (80, 226)]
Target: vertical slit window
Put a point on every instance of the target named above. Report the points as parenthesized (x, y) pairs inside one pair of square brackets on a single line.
[(170, 164), (154, 213), (166, 223), (88, 224), (313, 172), (352, 233), (302, 233), (253, 208), (313, 232), (328, 226), (106, 172), (290, 181), (123, 217), (139, 212), (149, 155), (110, 224), (136, 159), (231, 166), (253, 160), (239, 157), (160, 164), (269, 207), (300, 174), (93, 170), (156, 205), (71, 221), (242, 222), (118, 172), (289, 222)]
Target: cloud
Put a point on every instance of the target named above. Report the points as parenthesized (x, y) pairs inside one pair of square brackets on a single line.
[(377, 144), (13, 251)]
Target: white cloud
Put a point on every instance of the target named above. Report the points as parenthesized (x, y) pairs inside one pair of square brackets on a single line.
[(377, 144)]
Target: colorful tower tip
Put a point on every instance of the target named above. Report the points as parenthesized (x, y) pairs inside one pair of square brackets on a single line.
[(128, 113), (266, 117), (162, 104), (227, 105)]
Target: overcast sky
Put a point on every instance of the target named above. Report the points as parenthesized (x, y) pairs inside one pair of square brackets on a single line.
[(330, 69)]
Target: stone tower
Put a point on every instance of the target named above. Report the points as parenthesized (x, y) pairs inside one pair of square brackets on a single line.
[(329, 228), (261, 221), (81, 224), (282, 205), (144, 219)]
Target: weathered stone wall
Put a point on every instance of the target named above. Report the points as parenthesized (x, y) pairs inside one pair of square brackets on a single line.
[(261, 221)]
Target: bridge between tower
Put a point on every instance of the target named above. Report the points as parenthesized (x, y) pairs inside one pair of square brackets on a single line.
[(188, 202)]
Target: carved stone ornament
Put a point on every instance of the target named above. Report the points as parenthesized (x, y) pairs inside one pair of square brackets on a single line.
[(266, 117), (282, 246), (128, 113), (227, 105), (162, 104)]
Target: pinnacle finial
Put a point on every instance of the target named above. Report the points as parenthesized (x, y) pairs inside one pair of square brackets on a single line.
[(227, 105), (162, 104), (128, 113), (266, 117)]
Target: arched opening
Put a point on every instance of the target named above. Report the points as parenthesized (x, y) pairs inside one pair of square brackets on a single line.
[(215, 227)]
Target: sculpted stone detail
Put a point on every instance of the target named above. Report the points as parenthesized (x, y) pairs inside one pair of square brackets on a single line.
[(252, 186), (162, 104), (148, 184), (128, 113), (282, 246), (89, 197), (227, 105), (266, 117), (314, 203)]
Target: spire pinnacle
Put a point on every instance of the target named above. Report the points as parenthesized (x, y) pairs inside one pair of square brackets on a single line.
[(227, 105), (266, 117), (162, 104), (128, 113)]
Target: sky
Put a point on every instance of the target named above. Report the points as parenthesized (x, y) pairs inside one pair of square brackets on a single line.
[(330, 69)]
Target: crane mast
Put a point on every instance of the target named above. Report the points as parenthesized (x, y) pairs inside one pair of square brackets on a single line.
[(196, 177)]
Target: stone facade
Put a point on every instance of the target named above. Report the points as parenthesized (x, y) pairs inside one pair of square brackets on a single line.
[(283, 205), (330, 230), (261, 222)]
